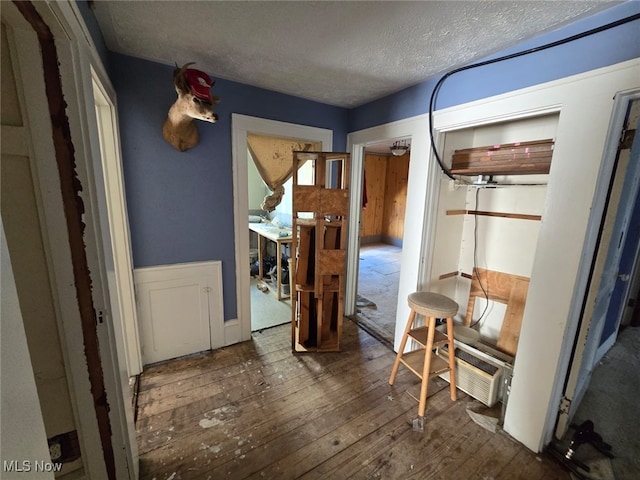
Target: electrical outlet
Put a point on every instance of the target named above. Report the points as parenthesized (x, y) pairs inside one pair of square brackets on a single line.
[(55, 450), (64, 447)]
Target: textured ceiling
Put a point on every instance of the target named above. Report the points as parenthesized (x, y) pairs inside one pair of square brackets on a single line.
[(339, 53)]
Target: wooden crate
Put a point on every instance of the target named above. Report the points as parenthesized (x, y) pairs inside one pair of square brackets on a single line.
[(522, 158)]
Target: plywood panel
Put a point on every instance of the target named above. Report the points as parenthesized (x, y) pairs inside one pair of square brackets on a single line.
[(334, 202), (305, 261), (331, 262), (504, 288), (395, 198), (304, 304), (305, 198), (375, 170), (510, 331)]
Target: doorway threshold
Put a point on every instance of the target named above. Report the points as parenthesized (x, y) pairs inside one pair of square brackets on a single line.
[(370, 328)]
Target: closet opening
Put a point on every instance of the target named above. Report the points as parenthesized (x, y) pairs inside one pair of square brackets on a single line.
[(487, 227)]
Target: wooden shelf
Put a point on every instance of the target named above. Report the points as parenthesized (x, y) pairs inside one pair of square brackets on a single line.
[(519, 216), (414, 361), (522, 158), (319, 249), (420, 335)]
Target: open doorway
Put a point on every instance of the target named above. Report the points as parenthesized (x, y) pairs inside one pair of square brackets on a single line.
[(270, 222), (269, 168), (384, 202), (602, 384), (242, 127)]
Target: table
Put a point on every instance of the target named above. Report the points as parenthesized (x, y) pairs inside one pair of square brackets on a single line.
[(280, 236)]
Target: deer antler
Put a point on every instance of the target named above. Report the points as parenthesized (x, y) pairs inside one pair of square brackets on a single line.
[(179, 80), (194, 102)]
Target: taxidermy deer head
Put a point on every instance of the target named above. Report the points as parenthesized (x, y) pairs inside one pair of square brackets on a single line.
[(194, 102)]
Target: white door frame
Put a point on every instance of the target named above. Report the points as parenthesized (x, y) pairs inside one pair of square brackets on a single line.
[(121, 275), (587, 340), (47, 187), (76, 56), (239, 329), (80, 63), (422, 194)]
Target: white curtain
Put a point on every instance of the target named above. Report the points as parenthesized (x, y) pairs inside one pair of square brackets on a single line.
[(274, 161)]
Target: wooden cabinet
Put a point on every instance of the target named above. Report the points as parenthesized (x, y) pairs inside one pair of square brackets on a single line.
[(320, 212)]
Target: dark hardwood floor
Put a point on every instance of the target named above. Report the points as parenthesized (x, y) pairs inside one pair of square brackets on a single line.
[(255, 410)]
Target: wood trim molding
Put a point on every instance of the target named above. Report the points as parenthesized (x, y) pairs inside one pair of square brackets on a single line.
[(444, 276), (520, 216)]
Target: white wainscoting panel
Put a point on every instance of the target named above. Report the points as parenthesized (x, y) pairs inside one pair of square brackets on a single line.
[(180, 309)]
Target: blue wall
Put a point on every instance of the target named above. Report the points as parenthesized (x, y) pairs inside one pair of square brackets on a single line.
[(94, 29), (628, 253), (596, 51), (181, 204)]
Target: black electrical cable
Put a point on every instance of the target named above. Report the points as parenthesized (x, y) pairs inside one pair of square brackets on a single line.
[(546, 46), (475, 264)]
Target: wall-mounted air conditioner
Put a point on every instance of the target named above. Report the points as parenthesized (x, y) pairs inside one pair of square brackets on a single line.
[(477, 374)]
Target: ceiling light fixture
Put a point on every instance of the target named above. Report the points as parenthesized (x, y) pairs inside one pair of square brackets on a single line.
[(399, 149)]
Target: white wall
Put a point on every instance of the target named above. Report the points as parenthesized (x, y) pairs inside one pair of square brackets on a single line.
[(23, 437), (494, 243)]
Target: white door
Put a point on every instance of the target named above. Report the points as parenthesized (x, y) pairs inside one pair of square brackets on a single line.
[(121, 270), (625, 187), (179, 309)]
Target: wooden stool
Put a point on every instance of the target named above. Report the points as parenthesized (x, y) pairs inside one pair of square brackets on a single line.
[(423, 361)]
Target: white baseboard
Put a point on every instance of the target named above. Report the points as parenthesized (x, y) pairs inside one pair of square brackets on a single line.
[(232, 332)]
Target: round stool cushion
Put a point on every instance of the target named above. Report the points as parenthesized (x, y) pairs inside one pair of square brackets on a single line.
[(432, 304)]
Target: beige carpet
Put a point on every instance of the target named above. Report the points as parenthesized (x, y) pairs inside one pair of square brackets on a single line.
[(266, 310)]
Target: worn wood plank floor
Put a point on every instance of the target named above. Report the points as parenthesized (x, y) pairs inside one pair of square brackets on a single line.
[(255, 410)]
